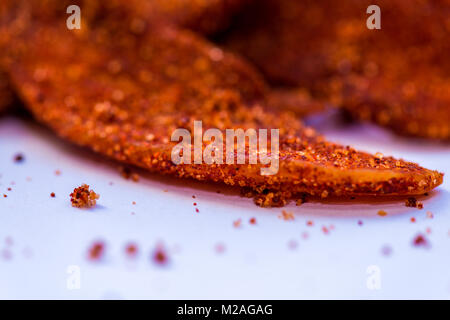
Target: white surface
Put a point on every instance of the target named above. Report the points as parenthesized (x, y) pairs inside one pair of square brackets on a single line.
[(49, 235)]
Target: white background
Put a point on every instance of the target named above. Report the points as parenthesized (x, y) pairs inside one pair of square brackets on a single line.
[(48, 235)]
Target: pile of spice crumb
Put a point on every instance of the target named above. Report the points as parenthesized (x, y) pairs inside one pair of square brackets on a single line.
[(83, 197)]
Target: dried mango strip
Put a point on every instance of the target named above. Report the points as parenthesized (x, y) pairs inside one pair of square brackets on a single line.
[(397, 76), (123, 94)]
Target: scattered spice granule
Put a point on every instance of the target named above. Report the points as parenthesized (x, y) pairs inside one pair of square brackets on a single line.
[(360, 223), (57, 172), (9, 241), (96, 251), (325, 230), (9, 189), (193, 197), (219, 248), (430, 215), (413, 219), (160, 256), (420, 241), (237, 223), (292, 244), (6, 254), (386, 250), (382, 213), (287, 216), (133, 203), (309, 223), (131, 250), (331, 227), (196, 210), (413, 203), (52, 195), (252, 221), (195, 203), (127, 173), (83, 197), (19, 157), (428, 230), (5, 196)]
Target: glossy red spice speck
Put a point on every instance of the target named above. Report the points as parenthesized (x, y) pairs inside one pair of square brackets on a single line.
[(252, 221), (52, 195)]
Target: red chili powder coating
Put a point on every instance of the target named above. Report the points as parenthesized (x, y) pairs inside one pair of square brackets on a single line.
[(96, 251)]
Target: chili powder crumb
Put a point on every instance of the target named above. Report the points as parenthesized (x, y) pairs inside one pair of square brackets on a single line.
[(420, 241), (360, 223), (386, 250), (96, 251), (309, 223), (413, 219), (52, 195), (83, 197), (19, 157), (382, 213), (160, 256), (219, 248), (237, 223), (252, 221), (128, 174), (131, 250), (287, 216), (413, 203)]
